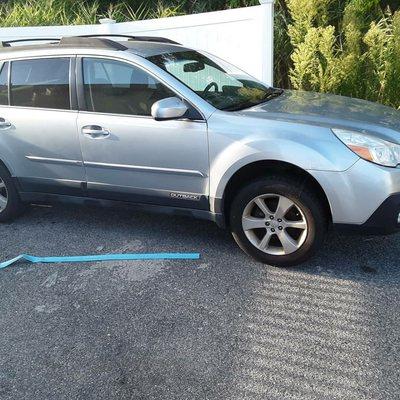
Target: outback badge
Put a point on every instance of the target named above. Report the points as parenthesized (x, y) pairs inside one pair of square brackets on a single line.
[(185, 196)]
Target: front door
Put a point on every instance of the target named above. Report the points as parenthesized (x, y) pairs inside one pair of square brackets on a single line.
[(127, 154), (38, 136)]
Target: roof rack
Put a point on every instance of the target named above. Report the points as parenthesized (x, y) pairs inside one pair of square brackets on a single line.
[(133, 38), (8, 43), (70, 41), (98, 41)]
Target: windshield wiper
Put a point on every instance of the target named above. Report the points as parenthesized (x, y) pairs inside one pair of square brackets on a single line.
[(248, 104)]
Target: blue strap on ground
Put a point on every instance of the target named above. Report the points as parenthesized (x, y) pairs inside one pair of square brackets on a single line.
[(106, 257)]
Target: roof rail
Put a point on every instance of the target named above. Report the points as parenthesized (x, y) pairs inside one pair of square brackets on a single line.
[(7, 43), (97, 41), (70, 41), (133, 38)]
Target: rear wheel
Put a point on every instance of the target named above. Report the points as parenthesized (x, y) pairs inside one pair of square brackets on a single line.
[(10, 203), (277, 221)]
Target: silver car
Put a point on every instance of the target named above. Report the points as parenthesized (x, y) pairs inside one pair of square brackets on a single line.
[(146, 121)]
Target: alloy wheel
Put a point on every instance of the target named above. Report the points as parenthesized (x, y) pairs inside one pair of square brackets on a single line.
[(274, 224)]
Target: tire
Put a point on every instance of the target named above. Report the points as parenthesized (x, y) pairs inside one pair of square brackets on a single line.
[(12, 206), (292, 241)]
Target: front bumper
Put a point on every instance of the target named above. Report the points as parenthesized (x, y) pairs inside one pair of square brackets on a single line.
[(384, 221), (365, 198)]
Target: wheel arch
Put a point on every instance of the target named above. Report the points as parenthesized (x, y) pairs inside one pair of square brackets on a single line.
[(263, 168), (5, 165)]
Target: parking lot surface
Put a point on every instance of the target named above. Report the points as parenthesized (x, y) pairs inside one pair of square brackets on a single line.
[(221, 328)]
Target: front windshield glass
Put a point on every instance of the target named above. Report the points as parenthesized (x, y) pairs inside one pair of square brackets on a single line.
[(219, 83)]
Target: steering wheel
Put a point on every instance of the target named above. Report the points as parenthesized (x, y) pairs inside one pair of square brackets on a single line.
[(210, 86)]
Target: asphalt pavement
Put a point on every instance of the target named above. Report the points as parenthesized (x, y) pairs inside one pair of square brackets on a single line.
[(224, 327)]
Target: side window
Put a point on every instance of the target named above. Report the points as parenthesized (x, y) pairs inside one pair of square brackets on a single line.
[(41, 83), (115, 87), (4, 85)]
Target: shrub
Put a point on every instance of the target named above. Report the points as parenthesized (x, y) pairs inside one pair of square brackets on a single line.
[(382, 60), (346, 52), (70, 12)]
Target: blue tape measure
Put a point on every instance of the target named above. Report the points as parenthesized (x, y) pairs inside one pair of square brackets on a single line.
[(105, 257)]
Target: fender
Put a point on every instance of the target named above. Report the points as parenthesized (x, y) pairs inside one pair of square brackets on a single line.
[(301, 150)]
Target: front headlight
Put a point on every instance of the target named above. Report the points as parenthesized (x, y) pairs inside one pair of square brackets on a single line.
[(370, 148)]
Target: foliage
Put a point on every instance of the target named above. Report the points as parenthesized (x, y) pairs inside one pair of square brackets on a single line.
[(283, 46), (354, 52), (66, 12), (60, 12)]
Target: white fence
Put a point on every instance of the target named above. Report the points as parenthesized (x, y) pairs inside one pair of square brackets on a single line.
[(242, 36)]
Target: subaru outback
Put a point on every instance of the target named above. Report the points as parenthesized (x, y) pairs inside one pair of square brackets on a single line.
[(148, 122)]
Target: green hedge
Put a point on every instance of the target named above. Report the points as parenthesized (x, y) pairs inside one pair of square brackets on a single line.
[(349, 47)]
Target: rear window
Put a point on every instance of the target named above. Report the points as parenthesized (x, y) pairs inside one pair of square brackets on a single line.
[(42, 83), (4, 85)]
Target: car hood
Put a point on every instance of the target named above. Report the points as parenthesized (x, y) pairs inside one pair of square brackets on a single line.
[(331, 111)]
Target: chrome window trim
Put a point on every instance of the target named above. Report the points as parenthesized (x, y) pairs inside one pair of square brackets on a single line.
[(139, 116), (33, 57), (40, 109)]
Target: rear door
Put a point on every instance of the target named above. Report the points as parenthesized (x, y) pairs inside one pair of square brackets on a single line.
[(127, 154), (38, 136)]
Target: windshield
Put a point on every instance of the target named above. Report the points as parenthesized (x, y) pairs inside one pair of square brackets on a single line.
[(219, 83)]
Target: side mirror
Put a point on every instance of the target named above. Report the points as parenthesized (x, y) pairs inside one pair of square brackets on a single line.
[(170, 108)]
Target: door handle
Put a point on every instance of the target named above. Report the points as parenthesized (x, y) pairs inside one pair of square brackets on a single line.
[(4, 124), (95, 132)]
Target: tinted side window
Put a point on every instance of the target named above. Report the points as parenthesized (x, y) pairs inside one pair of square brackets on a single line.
[(40, 83), (118, 88), (4, 85)]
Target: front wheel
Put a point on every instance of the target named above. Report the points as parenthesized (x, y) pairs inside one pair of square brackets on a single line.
[(277, 221)]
